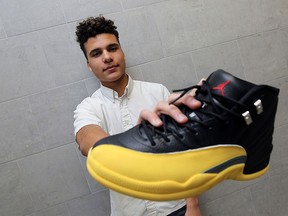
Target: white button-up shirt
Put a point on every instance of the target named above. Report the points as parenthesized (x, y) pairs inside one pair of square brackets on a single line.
[(115, 115)]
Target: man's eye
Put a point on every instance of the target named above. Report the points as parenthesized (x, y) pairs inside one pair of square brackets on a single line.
[(96, 54), (113, 49)]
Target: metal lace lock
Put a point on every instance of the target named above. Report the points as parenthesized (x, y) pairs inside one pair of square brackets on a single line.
[(259, 107), (247, 117)]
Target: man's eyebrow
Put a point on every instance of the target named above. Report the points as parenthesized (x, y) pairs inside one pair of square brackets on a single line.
[(113, 44)]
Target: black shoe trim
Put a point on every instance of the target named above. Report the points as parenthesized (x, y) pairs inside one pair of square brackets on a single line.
[(223, 166)]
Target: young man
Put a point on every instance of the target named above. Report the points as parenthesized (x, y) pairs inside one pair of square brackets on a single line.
[(116, 106)]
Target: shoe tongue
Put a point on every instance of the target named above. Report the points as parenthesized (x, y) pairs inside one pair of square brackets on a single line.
[(225, 84)]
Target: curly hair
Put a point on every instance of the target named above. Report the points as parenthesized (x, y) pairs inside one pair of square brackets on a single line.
[(93, 26)]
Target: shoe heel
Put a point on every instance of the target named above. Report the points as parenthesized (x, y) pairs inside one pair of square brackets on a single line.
[(241, 176), (259, 147)]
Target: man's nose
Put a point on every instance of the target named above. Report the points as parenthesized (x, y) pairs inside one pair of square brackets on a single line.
[(106, 57)]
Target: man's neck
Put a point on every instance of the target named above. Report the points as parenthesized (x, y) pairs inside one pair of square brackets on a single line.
[(118, 85)]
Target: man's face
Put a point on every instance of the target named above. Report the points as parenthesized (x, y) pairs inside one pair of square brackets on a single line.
[(105, 57)]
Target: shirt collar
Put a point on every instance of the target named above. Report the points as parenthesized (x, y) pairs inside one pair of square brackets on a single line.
[(112, 95)]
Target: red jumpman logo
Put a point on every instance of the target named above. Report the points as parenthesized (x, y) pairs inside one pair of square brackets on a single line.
[(221, 87)]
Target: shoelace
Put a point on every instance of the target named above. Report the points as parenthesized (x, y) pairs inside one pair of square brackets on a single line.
[(206, 97)]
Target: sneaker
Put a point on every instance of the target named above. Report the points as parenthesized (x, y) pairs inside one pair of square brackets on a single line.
[(228, 137)]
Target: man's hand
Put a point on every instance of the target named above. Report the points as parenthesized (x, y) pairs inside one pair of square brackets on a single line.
[(192, 208), (170, 109)]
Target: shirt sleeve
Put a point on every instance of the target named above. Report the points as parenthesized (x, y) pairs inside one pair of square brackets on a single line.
[(85, 114)]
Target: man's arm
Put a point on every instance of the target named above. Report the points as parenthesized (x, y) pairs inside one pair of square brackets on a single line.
[(87, 136)]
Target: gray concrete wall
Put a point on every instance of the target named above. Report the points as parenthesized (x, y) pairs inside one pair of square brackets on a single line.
[(44, 76)]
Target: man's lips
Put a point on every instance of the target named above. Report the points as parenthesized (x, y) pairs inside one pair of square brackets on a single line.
[(110, 68)]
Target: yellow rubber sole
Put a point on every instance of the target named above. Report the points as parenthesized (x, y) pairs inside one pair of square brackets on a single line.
[(163, 177)]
